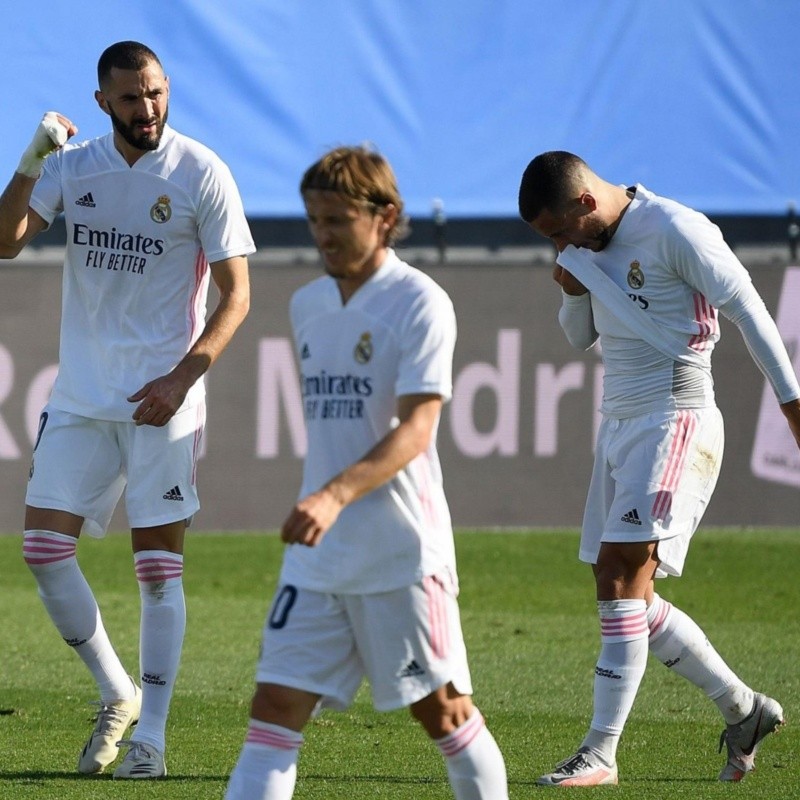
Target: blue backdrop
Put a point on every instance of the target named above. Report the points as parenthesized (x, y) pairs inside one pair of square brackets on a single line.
[(697, 99)]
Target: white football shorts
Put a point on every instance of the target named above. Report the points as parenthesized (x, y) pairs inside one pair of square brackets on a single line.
[(83, 465), (407, 643), (652, 480)]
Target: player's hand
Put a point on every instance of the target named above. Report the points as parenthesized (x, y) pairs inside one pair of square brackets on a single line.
[(51, 134), (311, 518), (159, 400), (568, 282)]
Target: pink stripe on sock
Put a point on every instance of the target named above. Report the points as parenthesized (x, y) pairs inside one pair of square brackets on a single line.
[(630, 625), (269, 738), (44, 550), (149, 570), (463, 736), (661, 614)]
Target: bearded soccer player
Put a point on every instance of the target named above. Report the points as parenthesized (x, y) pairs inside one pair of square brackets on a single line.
[(151, 218), (648, 277)]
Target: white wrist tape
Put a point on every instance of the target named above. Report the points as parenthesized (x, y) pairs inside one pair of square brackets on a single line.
[(49, 136)]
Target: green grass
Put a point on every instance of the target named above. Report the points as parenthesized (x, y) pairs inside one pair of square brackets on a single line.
[(532, 633)]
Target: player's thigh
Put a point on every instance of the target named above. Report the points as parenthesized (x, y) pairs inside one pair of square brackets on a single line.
[(658, 473), (161, 463), (600, 495), (411, 641), (76, 466), (666, 465), (308, 644)]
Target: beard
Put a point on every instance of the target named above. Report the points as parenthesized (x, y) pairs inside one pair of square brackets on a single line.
[(603, 237), (142, 141)]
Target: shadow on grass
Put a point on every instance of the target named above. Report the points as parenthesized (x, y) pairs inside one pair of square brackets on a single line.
[(40, 776)]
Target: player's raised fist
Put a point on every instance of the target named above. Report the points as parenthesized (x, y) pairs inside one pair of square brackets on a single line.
[(51, 133)]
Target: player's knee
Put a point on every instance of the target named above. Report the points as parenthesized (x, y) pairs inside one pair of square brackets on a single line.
[(625, 569), (442, 711), (282, 705)]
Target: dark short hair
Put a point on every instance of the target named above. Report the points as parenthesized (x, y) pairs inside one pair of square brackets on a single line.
[(548, 183), (362, 175), (124, 55)]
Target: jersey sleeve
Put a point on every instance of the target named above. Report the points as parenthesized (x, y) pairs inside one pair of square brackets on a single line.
[(222, 225), (576, 320), (426, 360), (47, 198), (763, 340), (703, 259)]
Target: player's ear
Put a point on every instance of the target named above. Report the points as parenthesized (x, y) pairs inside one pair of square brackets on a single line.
[(588, 202), (389, 214), (101, 100)]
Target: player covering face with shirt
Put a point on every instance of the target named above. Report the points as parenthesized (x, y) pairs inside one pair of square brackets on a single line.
[(647, 277), (368, 583)]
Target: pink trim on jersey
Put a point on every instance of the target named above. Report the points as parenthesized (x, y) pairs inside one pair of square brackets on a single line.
[(463, 736), (631, 625), (200, 277), (707, 321), (679, 447), (437, 615), (158, 568), (198, 436), (663, 611), (270, 738), (423, 480), (43, 549)]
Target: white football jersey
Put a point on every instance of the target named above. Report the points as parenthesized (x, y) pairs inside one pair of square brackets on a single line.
[(395, 336), (673, 263), (136, 275)]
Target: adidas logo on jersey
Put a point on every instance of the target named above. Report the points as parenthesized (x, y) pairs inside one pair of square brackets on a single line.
[(174, 494), (411, 669), (87, 200), (305, 352), (632, 517)]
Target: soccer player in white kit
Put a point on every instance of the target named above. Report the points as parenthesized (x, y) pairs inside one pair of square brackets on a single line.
[(368, 582), (659, 446), (151, 217)]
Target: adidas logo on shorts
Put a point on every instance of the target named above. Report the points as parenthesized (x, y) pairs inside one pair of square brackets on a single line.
[(411, 669), (632, 517), (173, 494)]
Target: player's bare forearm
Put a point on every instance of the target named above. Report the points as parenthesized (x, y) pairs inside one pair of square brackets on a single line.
[(216, 336), (791, 411), (17, 224), (159, 399), (231, 278), (418, 415), (312, 516)]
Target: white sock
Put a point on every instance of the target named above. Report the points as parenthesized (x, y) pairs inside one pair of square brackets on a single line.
[(71, 605), (267, 765), (678, 642), (619, 671), (474, 762), (160, 577)]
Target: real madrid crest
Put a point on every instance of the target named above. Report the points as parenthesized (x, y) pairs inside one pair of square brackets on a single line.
[(161, 210), (635, 275), (363, 350)]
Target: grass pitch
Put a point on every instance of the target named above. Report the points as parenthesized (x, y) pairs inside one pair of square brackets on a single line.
[(532, 633)]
